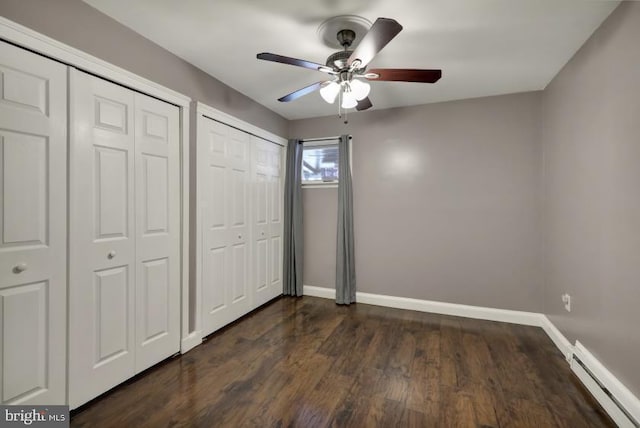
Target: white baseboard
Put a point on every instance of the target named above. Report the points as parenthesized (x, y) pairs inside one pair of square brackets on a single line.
[(619, 393), (191, 341), (325, 293), (561, 342), (476, 312)]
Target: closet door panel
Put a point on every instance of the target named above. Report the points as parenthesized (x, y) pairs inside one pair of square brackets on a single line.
[(102, 237), (261, 216), (110, 289), (215, 261), (239, 259), (239, 145), (261, 228), (267, 225), (261, 264), (276, 188), (157, 156), (33, 152), (23, 310), (225, 192), (111, 167), (214, 287)]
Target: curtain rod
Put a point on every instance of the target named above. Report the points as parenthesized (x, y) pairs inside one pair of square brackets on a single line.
[(308, 140)]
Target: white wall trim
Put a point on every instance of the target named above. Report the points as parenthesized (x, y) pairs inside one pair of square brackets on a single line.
[(625, 397), (324, 292), (223, 117), (37, 42), (557, 337), (476, 312)]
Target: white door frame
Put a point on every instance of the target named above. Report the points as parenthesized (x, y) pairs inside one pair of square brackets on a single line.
[(200, 147), (37, 42)]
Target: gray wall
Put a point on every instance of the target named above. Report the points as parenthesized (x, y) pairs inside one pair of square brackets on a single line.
[(591, 134), (79, 25), (446, 202), (320, 229)]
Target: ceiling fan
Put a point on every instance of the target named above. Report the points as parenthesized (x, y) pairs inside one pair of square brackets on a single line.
[(348, 68)]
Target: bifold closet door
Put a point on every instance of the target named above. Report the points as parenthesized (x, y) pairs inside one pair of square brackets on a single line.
[(224, 179), (157, 166), (267, 220), (102, 237), (124, 235), (33, 162)]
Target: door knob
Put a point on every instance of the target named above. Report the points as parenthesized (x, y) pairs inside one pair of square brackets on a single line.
[(20, 268), (111, 254), (239, 236), (262, 233)]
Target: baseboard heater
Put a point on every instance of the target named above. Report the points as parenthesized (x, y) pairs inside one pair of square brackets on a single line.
[(621, 405)]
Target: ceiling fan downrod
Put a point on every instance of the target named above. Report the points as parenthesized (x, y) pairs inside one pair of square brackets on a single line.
[(346, 38)]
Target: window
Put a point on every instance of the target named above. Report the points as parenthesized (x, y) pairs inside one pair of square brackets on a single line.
[(320, 163)]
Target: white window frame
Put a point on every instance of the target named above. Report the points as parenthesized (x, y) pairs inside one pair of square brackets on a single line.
[(325, 143)]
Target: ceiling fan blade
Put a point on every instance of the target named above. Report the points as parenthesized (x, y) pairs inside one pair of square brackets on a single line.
[(364, 104), (404, 75), (294, 61), (301, 92), (381, 32)]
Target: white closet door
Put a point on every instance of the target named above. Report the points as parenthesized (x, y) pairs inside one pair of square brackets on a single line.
[(157, 170), (33, 148), (276, 225), (102, 237), (267, 220), (224, 167)]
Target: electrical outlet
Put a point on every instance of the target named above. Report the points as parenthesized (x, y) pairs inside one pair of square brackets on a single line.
[(566, 299)]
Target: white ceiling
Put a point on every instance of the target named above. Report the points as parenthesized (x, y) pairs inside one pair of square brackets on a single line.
[(484, 47)]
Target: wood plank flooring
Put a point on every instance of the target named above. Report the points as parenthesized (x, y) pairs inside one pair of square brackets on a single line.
[(307, 362)]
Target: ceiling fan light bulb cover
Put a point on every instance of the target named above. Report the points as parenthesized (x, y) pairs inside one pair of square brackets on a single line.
[(329, 92), (359, 89), (348, 100)]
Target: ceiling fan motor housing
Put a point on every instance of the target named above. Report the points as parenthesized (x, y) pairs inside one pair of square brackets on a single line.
[(338, 60)]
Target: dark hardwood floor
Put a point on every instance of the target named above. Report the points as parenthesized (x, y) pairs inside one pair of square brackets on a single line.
[(308, 363)]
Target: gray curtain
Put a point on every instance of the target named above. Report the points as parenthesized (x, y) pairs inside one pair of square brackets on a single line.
[(293, 239), (345, 260)]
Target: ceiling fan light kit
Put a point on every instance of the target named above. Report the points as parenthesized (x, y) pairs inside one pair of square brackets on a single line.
[(329, 91), (359, 89), (348, 101), (348, 67), (356, 89)]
